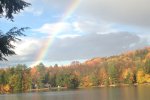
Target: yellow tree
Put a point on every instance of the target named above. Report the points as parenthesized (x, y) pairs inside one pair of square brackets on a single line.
[(140, 76)]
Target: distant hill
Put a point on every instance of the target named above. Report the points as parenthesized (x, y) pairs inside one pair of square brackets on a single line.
[(127, 57)]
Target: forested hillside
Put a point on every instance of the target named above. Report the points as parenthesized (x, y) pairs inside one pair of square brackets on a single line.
[(128, 68)]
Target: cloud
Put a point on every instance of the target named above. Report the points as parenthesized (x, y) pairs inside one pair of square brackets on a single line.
[(79, 47), (26, 46), (130, 12), (35, 8), (58, 4), (34, 11), (68, 36), (25, 50), (94, 29), (76, 28), (51, 28), (93, 45), (145, 37), (91, 26)]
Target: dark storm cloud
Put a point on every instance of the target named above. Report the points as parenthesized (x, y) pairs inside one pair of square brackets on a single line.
[(93, 45)]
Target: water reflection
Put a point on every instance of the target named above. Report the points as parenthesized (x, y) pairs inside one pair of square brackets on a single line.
[(111, 93)]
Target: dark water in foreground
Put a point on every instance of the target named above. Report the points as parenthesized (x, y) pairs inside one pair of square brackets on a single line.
[(113, 93)]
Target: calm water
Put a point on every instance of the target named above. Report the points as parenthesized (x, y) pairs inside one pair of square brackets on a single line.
[(117, 93)]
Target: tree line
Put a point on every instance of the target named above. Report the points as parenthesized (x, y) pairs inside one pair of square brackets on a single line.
[(128, 68)]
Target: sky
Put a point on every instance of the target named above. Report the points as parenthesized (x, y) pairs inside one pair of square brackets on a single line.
[(62, 31)]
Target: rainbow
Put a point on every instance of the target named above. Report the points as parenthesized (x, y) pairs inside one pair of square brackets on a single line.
[(44, 49)]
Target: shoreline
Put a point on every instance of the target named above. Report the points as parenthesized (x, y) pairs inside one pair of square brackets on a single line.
[(65, 88), (115, 85), (47, 89), (101, 86)]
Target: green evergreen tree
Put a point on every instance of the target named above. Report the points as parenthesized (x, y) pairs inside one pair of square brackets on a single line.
[(7, 9), (113, 74), (147, 66)]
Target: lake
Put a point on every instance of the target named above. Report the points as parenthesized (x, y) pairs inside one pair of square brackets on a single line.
[(110, 93)]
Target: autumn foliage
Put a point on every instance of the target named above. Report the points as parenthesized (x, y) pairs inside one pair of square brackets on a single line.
[(128, 68)]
